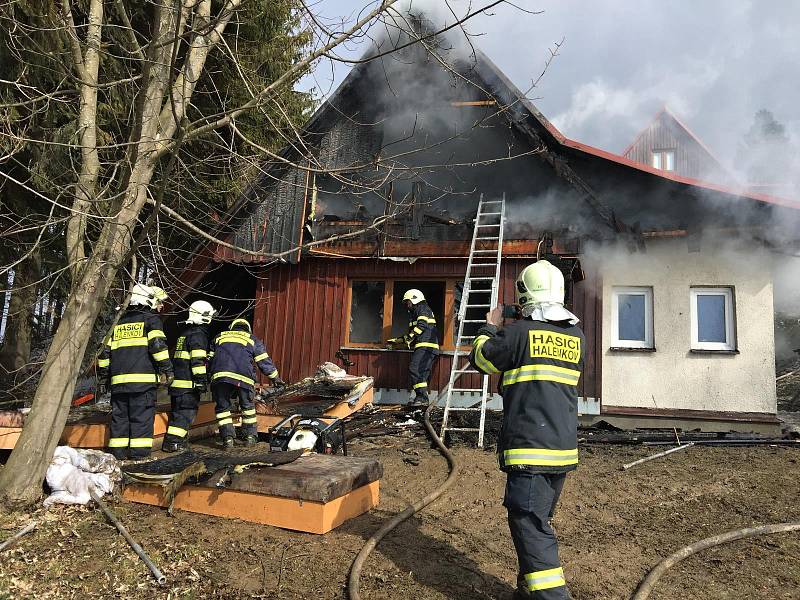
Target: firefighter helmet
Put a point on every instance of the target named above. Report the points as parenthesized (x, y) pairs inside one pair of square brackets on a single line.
[(200, 312), (241, 324), (414, 296), (540, 282), (142, 295), (159, 295)]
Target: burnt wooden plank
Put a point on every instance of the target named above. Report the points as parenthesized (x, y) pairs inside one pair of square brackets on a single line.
[(316, 478)]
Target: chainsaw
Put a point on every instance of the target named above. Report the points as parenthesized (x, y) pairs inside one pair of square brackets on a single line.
[(297, 432)]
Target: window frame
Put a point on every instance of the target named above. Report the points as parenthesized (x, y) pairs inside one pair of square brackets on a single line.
[(648, 344), (727, 292), (445, 332), (660, 156)]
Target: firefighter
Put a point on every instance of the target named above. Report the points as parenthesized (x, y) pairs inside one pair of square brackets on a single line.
[(423, 338), (191, 378), (233, 375), (134, 361), (539, 358)]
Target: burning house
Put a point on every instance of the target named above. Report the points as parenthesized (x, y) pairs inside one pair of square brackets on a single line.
[(671, 276)]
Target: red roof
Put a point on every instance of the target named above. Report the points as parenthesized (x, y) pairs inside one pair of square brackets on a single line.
[(736, 191)]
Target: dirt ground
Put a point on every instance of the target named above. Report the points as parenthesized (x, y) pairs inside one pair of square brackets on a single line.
[(613, 526)]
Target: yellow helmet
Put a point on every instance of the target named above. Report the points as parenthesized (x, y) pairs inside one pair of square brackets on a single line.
[(159, 296), (414, 296), (244, 323), (540, 282)]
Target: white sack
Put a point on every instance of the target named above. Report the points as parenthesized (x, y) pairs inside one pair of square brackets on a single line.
[(72, 471)]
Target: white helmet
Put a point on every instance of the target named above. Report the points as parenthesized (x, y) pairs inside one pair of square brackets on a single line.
[(540, 282), (200, 312), (413, 296), (142, 295)]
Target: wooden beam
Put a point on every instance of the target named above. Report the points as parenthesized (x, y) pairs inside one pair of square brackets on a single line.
[(474, 103), (444, 249), (288, 513)]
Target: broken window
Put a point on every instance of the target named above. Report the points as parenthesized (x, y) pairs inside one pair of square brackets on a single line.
[(632, 317), (366, 312), (712, 315)]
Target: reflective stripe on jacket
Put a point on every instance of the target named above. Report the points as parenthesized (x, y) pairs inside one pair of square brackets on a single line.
[(422, 332), (135, 352), (190, 360), (540, 364), (235, 356)]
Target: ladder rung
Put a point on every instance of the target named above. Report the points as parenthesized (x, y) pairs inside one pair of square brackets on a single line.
[(488, 225), (492, 201), (494, 264), (478, 306), (481, 279), (464, 408), (485, 251), (466, 390), (474, 321), (461, 429), (487, 214), (488, 238)]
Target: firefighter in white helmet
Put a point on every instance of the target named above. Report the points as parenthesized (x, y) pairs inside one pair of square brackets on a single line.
[(539, 358), (423, 339), (134, 360), (191, 375), (160, 297)]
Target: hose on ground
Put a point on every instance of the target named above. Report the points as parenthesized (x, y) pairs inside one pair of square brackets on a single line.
[(646, 587), (372, 542)]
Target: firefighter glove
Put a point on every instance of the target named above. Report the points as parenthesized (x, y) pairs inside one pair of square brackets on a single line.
[(278, 383), (102, 389), (166, 378), (201, 386)]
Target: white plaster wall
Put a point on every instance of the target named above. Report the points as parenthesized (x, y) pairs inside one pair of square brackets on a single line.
[(672, 377)]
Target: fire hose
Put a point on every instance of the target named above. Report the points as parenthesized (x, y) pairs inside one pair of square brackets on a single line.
[(374, 540), (646, 587)]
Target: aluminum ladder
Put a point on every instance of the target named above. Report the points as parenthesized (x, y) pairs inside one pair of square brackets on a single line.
[(483, 266)]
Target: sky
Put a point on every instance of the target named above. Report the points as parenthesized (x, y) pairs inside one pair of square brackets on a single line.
[(714, 63)]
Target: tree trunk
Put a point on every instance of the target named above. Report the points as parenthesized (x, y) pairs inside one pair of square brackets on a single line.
[(15, 353), (21, 479)]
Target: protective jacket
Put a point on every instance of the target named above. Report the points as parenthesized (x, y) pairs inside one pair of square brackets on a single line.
[(135, 352), (422, 332), (540, 365), (189, 360), (235, 354)]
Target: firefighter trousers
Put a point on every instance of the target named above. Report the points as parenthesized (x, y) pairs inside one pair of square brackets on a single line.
[(531, 500), (419, 371), (184, 410), (132, 417), (223, 394)]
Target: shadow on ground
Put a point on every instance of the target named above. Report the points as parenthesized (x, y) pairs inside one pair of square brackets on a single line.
[(432, 562)]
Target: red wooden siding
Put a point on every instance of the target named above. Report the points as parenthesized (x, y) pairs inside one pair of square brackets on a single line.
[(301, 316)]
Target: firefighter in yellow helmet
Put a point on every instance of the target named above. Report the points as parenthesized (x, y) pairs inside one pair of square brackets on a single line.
[(423, 339), (236, 353), (539, 358)]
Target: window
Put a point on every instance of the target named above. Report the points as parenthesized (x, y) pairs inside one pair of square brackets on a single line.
[(632, 317), (366, 312), (712, 314), (376, 311), (664, 160)]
